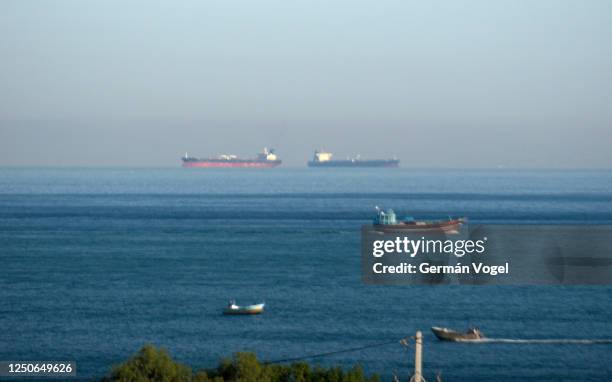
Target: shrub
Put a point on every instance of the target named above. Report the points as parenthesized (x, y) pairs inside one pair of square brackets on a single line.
[(151, 364), (155, 365)]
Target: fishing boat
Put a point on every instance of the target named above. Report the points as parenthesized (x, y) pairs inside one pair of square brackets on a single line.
[(386, 221), (445, 334), (232, 308)]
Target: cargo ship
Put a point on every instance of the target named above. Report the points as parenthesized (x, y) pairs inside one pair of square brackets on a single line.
[(324, 159), (265, 159)]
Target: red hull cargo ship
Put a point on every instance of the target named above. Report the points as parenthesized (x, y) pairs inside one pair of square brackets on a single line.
[(266, 159)]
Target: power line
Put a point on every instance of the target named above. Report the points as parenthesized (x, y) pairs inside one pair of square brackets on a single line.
[(402, 341)]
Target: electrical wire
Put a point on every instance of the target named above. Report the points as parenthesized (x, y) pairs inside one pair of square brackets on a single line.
[(402, 341)]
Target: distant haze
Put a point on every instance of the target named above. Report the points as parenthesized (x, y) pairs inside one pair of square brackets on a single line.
[(435, 83)]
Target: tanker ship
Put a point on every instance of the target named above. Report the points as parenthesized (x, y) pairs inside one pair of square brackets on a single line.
[(324, 159), (265, 159)]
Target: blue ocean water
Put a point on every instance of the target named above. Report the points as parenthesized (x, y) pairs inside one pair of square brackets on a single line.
[(96, 262)]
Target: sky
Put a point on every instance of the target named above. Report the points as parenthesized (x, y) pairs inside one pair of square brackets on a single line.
[(517, 84)]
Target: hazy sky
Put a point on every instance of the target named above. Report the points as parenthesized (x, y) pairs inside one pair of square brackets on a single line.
[(437, 84)]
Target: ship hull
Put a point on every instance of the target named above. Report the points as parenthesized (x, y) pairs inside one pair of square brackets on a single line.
[(355, 163), (230, 164)]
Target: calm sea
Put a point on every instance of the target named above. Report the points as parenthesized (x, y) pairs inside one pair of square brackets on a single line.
[(96, 262)]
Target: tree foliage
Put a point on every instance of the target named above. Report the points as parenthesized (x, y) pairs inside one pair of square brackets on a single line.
[(152, 364)]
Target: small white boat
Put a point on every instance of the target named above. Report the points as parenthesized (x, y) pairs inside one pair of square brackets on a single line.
[(232, 308), (445, 334)]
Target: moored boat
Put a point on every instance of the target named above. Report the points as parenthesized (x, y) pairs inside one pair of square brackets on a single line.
[(386, 221), (232, 308), (445, 334)]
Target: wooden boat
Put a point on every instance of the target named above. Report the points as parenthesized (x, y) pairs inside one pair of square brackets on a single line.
[(445, 334), (386, 222), (232, 308)]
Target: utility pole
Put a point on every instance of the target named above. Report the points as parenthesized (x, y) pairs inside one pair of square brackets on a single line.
[(418, 358)]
